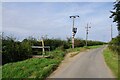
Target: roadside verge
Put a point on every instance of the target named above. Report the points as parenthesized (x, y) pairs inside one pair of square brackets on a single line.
[(111, 59)]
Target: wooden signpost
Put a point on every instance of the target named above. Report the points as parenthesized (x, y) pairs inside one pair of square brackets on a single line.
[(43, 47)]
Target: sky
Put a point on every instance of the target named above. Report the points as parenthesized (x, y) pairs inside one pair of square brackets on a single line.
[(58, 0), (36, 19)]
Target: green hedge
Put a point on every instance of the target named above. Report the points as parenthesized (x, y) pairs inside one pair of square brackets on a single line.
[(13, 50), (114, 45)]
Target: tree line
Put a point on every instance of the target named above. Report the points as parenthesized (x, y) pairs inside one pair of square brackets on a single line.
[(14, 50)]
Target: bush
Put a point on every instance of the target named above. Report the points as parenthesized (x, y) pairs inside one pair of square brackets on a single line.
[(114, 45), (54, 43), (16, 51), (79, 43), (13, 51)]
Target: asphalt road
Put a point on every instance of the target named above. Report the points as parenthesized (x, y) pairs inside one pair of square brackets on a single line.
[(89, 64)]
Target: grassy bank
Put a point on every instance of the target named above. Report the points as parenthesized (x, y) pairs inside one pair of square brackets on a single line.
[(111, 59), (37, 67), (31, 68)]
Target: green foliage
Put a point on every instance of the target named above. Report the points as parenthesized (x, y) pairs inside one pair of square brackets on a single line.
[(112, 61), (92, 47), (81, 43), (54, 43), (31, 68), (13, 51), (57, 54), (116, 14), (114, 45), (92, 43), (35, 67)]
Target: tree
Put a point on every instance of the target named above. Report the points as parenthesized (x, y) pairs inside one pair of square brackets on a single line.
[(115, 43), (116, 14)]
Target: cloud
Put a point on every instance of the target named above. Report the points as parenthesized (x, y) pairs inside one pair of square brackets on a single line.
[(52, 19)]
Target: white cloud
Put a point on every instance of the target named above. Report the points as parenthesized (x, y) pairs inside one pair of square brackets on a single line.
[(53, 19)]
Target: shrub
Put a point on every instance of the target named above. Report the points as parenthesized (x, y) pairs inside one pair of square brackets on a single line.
[(79, 43), (13, 51), (114, 45)]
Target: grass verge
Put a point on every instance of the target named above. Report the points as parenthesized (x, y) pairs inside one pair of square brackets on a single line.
[(37, 67), (111, 59), (31, 68), (34, 67), (81, 49), (93, 47)]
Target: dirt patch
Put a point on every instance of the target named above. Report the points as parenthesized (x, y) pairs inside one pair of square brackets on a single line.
[(73, 54)]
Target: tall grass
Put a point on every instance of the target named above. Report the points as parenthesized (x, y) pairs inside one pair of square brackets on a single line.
[(31, 68), (34, 67), (112, 61)]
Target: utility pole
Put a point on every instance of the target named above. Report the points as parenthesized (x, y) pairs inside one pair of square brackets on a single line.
[(74, 30), (87, 32), (111, 33)]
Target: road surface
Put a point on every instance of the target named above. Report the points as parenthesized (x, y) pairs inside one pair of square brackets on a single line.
[(89, 64)]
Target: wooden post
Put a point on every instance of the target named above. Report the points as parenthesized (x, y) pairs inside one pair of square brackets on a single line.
[(43, 47)]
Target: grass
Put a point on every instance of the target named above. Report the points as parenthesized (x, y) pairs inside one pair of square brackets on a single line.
[(34, 67), (31, 68), (111, 59), (93, 47), (37, 67), (76, 49), (80, 49)]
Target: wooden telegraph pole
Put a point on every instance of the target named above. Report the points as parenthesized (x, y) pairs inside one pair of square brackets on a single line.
[(87, 32)]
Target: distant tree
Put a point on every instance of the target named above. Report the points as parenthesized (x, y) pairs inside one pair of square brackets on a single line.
[(116, 14)]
